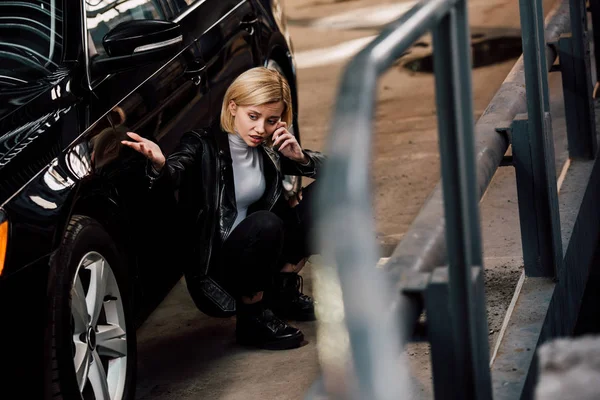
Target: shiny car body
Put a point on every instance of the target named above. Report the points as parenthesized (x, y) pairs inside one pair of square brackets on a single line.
[(70, 87)]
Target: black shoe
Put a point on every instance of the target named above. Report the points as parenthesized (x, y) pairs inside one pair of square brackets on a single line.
[(263, 329), (287, 300)]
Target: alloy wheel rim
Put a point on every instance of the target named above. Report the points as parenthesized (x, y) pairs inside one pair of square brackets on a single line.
[(99, 332)]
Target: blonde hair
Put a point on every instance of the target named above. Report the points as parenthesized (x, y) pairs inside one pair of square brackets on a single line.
[(255, 87)]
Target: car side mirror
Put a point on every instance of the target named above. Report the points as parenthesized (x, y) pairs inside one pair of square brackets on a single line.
[(132, 44)]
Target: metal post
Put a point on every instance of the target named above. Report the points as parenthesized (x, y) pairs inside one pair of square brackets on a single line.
[(452, 64), (595, 10), (577, 84), (541, 44), (579, 31), (537, 193), (540, 143), (463, 48), (443, 343), (533, 46), (446, 370)]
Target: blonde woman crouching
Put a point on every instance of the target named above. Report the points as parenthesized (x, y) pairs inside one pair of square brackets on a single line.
[(248, 240)]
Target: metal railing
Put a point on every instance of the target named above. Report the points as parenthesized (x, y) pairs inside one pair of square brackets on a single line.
[(382, 308)]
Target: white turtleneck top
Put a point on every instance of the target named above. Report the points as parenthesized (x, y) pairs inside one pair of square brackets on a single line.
[(248, 176)]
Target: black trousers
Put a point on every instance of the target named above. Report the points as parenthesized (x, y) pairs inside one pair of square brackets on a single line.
[(263, 243)]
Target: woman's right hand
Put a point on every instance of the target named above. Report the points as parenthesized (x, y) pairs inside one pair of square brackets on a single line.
[(148, 148)]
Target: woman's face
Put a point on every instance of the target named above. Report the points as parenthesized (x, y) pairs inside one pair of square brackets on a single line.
[(255, 124)]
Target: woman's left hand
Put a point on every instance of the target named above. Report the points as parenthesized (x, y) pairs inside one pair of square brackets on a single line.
[(288, 145)]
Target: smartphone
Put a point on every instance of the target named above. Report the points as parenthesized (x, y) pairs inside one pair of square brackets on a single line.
[(276, 147)]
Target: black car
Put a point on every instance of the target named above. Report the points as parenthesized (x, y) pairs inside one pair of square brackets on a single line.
[(86, 252)]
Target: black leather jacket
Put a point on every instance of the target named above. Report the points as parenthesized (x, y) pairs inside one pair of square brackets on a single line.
[(200, 173)]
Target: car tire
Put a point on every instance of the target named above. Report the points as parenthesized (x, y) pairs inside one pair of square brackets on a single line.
[(291, 184), (92, 336)]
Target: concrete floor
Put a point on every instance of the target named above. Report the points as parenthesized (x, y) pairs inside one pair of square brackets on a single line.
[(185, 355)]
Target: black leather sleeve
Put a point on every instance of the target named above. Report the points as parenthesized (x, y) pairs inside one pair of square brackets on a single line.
[(310, 170), (187, 152)]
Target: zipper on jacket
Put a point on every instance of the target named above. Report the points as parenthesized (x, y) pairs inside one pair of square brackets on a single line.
[(275, 198)]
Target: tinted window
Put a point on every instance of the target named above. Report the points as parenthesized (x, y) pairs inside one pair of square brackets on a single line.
[(103, 15), (30, 40), (182, 5)]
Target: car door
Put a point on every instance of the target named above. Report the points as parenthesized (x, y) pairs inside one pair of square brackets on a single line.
[(226, 37), (159, 101)]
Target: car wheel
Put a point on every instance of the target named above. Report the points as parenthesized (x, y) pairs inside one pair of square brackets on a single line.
[(291, 184), (93, 339)]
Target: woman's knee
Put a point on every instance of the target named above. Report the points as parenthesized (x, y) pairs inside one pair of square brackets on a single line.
[(267, 224)]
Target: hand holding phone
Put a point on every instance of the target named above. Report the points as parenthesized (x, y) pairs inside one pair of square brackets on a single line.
[(286, 143)]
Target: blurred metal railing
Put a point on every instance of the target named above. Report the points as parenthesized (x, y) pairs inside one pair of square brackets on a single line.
[(346, 205), (382, 308)]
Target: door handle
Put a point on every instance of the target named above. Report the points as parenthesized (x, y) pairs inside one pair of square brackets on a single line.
[(194, 72)]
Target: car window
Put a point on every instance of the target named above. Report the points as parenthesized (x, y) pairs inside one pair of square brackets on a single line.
[(182, 5), (103, 15), (31, 40)]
